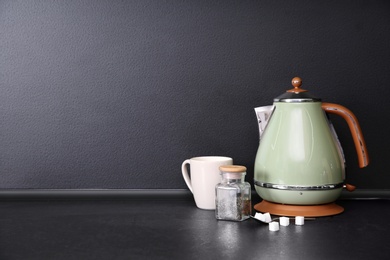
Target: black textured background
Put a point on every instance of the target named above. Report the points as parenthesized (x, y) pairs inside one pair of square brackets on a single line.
[(116, 94)]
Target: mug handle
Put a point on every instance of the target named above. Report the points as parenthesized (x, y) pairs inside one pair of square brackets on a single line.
[(186, 176)]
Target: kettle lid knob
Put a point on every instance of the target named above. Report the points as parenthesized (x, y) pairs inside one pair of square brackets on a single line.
[(296, 82)]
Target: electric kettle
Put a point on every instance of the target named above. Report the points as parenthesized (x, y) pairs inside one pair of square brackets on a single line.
[(299, 160)]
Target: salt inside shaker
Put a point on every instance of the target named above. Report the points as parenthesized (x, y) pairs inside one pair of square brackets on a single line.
[(233, 194)]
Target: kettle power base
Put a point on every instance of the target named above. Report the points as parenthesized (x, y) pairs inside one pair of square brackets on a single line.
[(323, 210)]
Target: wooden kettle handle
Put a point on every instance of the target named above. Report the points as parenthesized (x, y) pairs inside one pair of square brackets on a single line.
[(354, 126)]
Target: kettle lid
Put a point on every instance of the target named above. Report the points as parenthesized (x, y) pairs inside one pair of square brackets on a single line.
[(296, 94)]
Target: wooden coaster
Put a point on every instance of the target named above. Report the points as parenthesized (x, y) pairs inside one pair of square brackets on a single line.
[(299, 210)]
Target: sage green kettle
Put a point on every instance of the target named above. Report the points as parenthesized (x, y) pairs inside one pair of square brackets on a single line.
[(299, 160)]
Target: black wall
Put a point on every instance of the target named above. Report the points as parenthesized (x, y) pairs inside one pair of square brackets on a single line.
[(116, 94)]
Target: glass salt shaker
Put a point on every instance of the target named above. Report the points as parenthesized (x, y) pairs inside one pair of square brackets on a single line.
[(233, 194)]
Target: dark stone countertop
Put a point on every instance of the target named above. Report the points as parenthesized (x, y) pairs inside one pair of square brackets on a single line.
[(171, 227)]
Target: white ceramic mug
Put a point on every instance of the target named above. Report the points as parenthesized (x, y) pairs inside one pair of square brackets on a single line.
[(205, 174)]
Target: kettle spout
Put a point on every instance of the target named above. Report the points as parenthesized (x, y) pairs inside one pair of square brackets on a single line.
[(263, 115)]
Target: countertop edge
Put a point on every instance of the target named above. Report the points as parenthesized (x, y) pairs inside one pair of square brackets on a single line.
[(47, 194), (69, 194)]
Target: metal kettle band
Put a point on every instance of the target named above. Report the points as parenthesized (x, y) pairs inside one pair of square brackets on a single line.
[(298, 187)]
